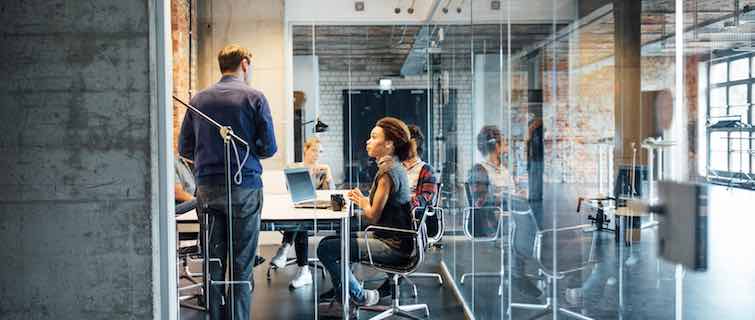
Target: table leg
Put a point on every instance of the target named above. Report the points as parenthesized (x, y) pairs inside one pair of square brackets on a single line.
[(345, 237)]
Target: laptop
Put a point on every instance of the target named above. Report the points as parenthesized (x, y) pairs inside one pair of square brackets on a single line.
[(302, 190)]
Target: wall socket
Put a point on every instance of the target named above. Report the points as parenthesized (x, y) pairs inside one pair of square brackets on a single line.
[(495, 5)]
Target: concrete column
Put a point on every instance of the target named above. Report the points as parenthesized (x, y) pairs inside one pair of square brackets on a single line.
[(627, 96), (76, 150)]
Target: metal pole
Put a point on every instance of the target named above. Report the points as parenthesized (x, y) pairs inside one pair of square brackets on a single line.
[(206, 269), (229, 210), (346, 236)]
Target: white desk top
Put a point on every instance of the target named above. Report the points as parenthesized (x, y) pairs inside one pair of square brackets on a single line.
[(278, 206)]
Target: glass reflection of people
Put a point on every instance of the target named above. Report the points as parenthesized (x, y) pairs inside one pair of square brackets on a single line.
[(489, 179), (388, 204), (323, 180), (535, 156), (490, 183)]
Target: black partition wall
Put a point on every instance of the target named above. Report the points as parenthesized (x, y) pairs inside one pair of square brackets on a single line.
[(363, 108)]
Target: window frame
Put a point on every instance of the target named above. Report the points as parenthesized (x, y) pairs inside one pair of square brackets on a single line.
[(749, 82)]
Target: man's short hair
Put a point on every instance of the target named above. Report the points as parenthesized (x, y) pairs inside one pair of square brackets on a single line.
[(230, 57)]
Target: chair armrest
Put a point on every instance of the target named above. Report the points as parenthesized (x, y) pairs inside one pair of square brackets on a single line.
[(411, 232)]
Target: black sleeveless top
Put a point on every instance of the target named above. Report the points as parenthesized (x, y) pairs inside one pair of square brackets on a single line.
[(397, 211)]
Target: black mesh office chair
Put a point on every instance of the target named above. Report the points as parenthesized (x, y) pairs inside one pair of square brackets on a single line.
[(482, 224), (433, 211), (395, 271), (527, 241)]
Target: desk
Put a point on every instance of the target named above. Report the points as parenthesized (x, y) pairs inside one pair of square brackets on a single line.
[(278, 213)]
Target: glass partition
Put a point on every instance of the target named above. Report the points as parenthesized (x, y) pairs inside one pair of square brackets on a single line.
[(543, 120)]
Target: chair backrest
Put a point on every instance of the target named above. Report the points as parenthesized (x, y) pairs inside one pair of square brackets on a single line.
[(436, 196)]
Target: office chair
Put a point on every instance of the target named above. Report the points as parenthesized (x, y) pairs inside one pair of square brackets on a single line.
[(470, 232), (395, 271), (433, 211), (527, 234), (189, 251)]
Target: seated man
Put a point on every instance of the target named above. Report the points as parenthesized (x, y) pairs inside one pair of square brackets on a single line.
[(185, 186)]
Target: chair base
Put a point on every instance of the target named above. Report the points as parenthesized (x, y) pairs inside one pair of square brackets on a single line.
[(398, 311), (547, 308)]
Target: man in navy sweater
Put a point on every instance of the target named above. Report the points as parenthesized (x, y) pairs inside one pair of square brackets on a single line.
[(231, 102)]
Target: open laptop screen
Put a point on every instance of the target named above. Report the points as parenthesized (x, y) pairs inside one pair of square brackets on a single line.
[(300, 185)]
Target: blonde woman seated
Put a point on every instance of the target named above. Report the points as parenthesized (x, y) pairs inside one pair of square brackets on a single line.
[(323, 180)]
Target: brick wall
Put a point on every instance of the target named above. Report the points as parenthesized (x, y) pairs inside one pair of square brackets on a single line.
[(579, 116), (184, 72)]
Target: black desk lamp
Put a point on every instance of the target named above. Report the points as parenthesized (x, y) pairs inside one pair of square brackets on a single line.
[(319, 125)]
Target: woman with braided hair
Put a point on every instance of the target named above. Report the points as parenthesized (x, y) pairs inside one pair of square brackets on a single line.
[(388, 204)]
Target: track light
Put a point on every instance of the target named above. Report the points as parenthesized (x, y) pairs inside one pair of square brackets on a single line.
[(411, 8)]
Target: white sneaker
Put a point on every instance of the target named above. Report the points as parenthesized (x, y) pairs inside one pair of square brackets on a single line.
[(303, 278), (371, 298), (280, 258)]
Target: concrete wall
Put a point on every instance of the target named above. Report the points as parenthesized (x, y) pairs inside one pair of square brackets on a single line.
[(76, 192), (257, 25)]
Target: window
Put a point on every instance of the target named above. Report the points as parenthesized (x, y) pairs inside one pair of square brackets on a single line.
[(730, 94)]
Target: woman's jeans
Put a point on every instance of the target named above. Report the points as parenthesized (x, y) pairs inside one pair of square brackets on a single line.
[(329, 253)]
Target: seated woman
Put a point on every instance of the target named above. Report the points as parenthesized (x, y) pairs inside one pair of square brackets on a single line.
[(388, 205), (489, 179), (422, 186), (323, 180), (490, 183)]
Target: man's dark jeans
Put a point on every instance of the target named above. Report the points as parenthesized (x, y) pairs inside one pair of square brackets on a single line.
[(247, 207)]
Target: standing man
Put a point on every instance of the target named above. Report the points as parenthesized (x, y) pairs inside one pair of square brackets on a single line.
[(231, 102)]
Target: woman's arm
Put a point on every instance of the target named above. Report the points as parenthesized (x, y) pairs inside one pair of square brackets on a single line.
[(372, 211)]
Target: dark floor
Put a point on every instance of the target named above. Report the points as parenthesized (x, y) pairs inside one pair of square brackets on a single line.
[(274, 300), (725, 291)]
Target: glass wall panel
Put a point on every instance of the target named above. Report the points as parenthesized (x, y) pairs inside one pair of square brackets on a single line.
[(543, 120)]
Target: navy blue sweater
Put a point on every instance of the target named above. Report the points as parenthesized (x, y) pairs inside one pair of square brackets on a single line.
[(231, 102)]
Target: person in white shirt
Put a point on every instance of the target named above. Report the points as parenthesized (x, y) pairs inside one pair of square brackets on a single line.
[(323, 179)]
